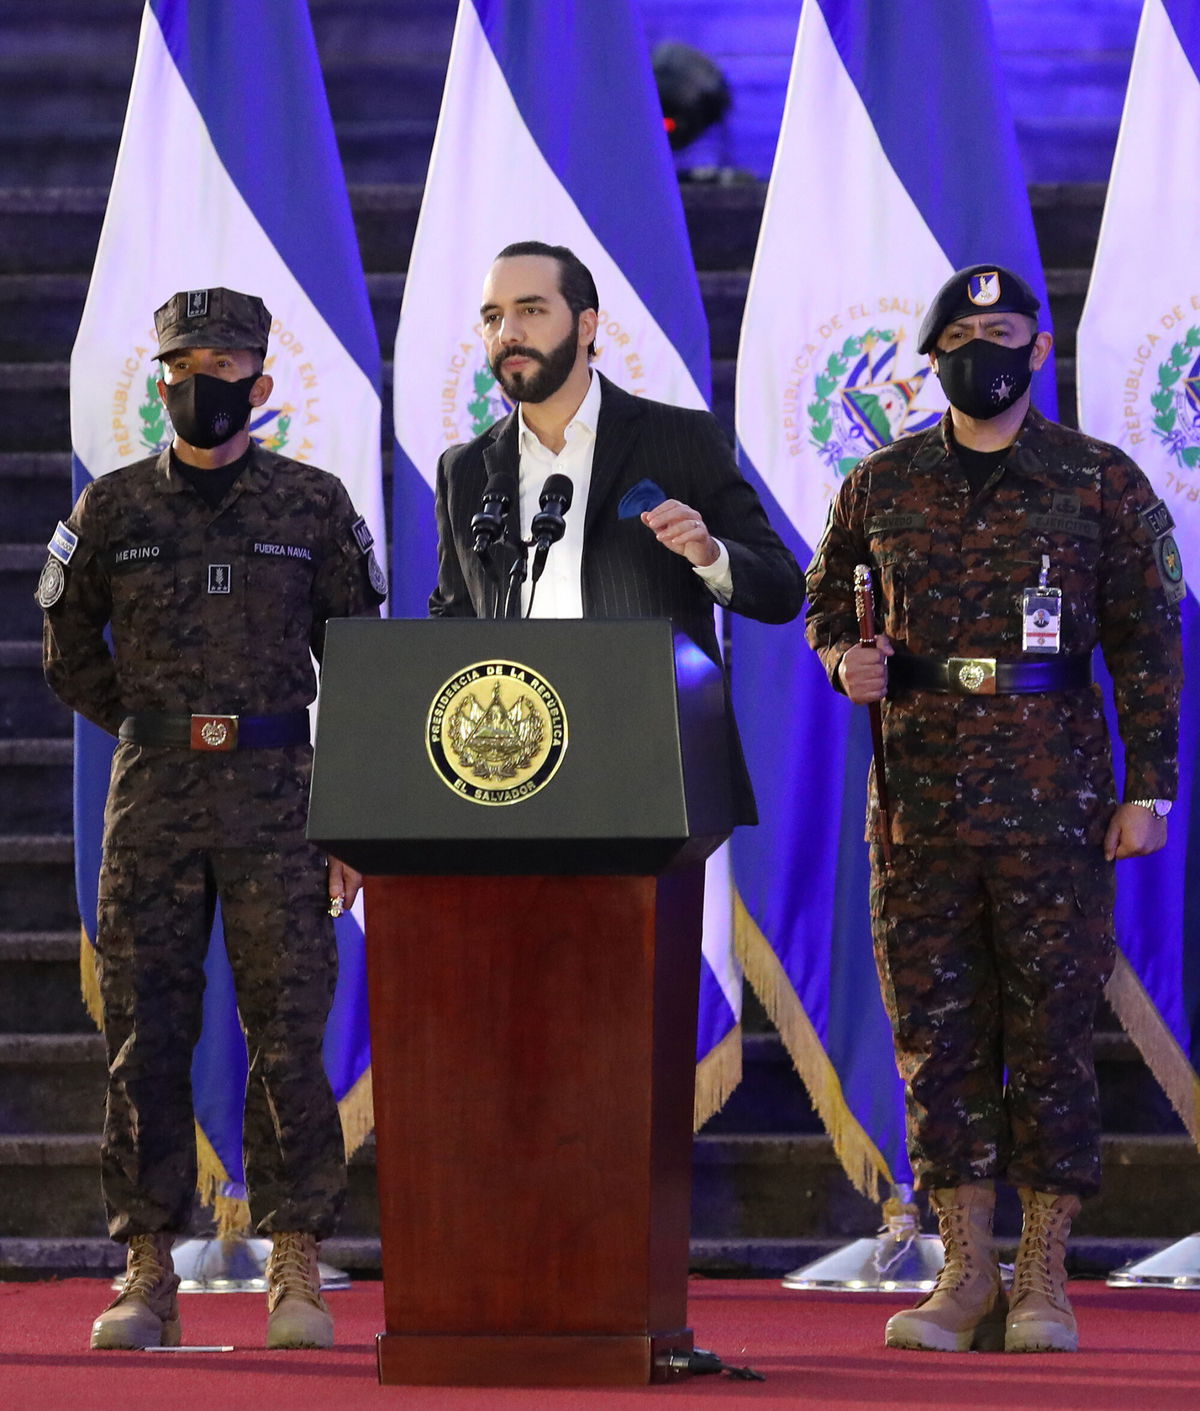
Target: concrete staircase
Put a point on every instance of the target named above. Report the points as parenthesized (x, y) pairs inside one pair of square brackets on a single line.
[(768, 1192)]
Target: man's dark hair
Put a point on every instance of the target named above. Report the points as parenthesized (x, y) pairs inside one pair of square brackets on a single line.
[(575, 282)]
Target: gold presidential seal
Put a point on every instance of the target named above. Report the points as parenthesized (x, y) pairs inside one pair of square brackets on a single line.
[(496, 732)]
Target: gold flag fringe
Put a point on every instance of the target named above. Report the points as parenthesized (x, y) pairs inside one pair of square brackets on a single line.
[(717, 1074), (1139, 1017), (233, 1215), (357, 1111), (89, 984), (861, 1159)]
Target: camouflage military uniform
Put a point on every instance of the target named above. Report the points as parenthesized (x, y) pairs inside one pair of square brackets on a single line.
[(993, 928), (211, 611)]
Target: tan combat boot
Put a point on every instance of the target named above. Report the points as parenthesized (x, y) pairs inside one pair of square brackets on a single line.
[(146, 1312), (966, 1308), (1040, 1318), (296, 1312)]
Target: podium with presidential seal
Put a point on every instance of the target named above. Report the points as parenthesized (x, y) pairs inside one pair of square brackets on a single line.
[(532, 803)]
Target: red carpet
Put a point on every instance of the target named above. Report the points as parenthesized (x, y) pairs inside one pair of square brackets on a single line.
[(1142, 1353)]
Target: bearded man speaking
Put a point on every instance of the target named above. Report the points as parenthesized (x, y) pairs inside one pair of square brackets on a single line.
[(663, 523)]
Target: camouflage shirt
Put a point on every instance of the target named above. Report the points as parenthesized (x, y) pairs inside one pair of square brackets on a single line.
[(950, 569), (211, 611)]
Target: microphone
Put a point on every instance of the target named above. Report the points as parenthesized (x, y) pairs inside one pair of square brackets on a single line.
[(549, 526), (488, 524)]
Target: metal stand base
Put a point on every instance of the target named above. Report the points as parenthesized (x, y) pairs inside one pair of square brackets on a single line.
[(233, 1266), (877, 1265), (1176, 1267)]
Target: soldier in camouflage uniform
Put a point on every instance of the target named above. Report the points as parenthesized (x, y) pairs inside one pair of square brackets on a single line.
[(1005, 548), (217, 565)]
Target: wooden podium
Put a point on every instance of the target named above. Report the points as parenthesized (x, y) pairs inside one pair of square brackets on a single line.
[(533, 971)]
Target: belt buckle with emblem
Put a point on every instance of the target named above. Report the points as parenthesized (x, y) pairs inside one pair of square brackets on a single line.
[(214, 732), (973, 676)]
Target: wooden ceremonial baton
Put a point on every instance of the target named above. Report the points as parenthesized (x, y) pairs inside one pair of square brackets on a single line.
[(864, 607)]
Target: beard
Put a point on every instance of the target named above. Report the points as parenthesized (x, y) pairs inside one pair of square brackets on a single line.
[(551, 371)]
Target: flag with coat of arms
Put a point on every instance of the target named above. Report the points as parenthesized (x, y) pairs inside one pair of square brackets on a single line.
[(227, 151), (1138, 375), (896, 165), (550, 129)]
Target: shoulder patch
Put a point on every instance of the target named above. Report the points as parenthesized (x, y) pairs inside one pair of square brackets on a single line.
[(362, 534), (1170, 568), (51, 584), (1157, 519), (376, 575), (63, 543)]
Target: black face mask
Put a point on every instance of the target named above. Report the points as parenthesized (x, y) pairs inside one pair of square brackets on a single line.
[(207, 411), (983, 379)]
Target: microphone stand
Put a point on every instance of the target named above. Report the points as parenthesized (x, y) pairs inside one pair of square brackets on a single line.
[(517, 574)]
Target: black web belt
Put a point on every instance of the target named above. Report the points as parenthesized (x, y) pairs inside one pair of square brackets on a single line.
[(985, 676), (216, 732)]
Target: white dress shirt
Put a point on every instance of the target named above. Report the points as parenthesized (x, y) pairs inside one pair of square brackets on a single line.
[(560, 589)]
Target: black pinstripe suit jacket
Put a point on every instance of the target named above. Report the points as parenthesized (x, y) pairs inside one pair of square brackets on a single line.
[(626, 571)]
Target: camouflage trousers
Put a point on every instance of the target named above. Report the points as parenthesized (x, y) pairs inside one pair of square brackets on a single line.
[(154, 918), (992, 962)]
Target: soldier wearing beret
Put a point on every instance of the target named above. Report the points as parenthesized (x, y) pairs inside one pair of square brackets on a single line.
[(215, 565), (1004, 549)]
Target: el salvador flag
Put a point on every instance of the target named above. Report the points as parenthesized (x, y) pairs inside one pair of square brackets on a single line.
[(550, 129), (228, 174), (896, 164), (1138, 359)]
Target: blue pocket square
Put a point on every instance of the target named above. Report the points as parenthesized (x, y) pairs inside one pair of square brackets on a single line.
[(642, 497)]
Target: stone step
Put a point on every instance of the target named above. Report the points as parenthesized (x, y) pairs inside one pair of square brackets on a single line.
[(54, 230), (39, 983), (37, 884), (35, 489), (37, 778), (28, 710), (744, 1188), (759, 1186), (51, 1083), (20, 565)]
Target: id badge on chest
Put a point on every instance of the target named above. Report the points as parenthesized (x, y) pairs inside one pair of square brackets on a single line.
[(1041, 615)]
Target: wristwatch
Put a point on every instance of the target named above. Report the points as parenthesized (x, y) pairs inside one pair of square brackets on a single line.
[(1158, 807)]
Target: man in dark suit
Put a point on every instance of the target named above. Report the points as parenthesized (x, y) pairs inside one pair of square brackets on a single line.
[(702, 537)]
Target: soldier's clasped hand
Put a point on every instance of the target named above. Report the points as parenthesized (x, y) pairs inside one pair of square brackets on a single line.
[(863, 671)]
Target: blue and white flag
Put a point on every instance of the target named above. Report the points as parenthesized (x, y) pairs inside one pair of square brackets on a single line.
[(1138, 368), (550, 129), (896, 165), (228, 174)]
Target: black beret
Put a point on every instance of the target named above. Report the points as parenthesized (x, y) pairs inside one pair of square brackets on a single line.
[(212, 318), (978, 289)]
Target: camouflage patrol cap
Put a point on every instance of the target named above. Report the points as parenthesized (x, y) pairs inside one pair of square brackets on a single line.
[(212, 318), (978, 289)]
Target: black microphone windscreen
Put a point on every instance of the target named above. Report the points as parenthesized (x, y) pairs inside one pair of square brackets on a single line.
[(558, 487), (501, 485)]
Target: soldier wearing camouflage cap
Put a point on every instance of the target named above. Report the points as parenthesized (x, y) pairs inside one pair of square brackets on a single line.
[(215, 565), (1004, 548)]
